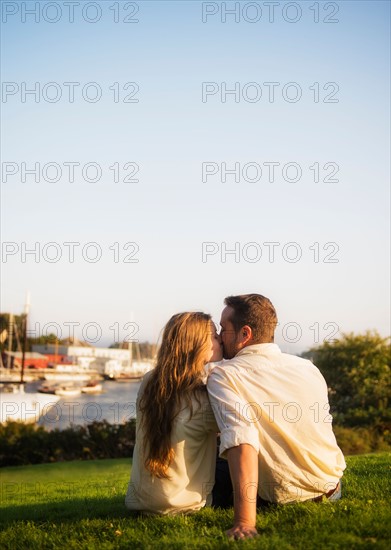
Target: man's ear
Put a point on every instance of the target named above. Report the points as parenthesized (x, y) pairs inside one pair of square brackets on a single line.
[(246, 335)]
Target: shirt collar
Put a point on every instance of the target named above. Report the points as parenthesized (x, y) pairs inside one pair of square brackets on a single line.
[(260, 349)]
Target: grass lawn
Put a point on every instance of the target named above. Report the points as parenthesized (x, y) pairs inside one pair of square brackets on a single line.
[(81, 505)]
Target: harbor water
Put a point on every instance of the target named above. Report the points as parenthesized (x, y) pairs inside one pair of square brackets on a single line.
[(116, 404)]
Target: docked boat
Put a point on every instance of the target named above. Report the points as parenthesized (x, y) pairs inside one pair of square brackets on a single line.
[(48, 389), (8, 376), (126, 377), (92, 387), (60, 373), (62, 377), (67, 391)]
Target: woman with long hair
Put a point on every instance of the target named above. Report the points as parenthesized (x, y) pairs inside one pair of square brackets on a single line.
[(174, 456)]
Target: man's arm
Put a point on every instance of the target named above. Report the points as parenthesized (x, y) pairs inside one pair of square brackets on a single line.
[(243, 467), (239, 445)]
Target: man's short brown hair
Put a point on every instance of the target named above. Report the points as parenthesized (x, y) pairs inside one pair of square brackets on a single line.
[(257, 312)]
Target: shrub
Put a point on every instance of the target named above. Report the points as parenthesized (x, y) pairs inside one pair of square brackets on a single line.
[(355, 441), (22, 444), (357, 371)]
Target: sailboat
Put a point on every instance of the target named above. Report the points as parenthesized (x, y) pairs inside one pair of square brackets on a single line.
[(23, 406), (136, 369)]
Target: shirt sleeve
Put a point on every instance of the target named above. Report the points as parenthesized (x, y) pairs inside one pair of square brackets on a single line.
[(233, 414)]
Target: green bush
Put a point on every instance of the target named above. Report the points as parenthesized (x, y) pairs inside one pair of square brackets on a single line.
[(357, 371), (354, 441), (22, 444)]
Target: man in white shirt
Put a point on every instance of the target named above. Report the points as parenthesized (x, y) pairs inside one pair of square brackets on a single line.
[(273, 414)]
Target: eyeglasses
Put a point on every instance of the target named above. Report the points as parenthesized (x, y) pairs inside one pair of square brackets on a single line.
[(221, 330), (224, 330)]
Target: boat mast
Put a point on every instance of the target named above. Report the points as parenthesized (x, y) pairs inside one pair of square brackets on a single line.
[(25, 316), (10, 337), (130, 345), (56, 351), (130, 348)]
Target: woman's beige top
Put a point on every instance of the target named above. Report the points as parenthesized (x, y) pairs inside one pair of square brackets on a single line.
[(191, 474)]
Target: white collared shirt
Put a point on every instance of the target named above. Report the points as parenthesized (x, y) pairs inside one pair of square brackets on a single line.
[(278, 403)]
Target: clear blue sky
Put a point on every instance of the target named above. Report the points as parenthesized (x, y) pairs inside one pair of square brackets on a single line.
[(169, 133)]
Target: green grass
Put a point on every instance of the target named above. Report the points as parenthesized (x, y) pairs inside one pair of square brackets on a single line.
[(81, 505)]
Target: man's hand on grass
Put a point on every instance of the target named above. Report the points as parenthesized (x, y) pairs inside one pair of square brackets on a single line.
[(243, 467), (242, 531)]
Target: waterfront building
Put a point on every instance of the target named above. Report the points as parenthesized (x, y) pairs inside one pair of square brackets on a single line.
[(109, 362), (32, 360)]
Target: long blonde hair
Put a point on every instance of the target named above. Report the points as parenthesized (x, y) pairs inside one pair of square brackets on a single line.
[(176, 377)]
